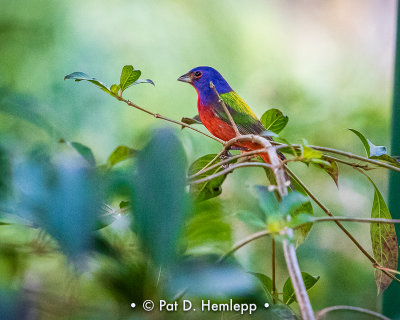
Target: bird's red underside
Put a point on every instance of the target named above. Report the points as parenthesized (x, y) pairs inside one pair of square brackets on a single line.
[(224, 131)]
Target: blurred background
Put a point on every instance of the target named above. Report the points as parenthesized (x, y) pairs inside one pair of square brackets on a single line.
[(326, 64)]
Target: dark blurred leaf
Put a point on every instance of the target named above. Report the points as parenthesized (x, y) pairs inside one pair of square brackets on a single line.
[(280, 312), (274, 120), (209, 189), (64, 199), (26, 108), (5, 176), (119, 154), (376, 152), (384, 240), (80, 76), (124, 204), (11, 306), (207, 232), (251, 219), (190, 121), (128, 77), (159, 200), (212, 280), (288, 292), (85, 152), (266, 283)]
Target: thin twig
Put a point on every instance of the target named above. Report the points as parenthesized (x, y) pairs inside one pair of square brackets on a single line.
[(342, 153), (289, 250), (273, 270), (352, 219), (327, 211), (386, 269), (225, 109), (243, 155), (159, 116), (230, 169), (321, 314), (243, 242), (352, 164)]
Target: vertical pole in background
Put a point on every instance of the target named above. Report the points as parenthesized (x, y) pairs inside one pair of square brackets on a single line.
[(391, 307)]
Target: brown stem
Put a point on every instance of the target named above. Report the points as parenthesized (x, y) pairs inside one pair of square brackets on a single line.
[(342, 153), (208, 167), (321, 314), (273, 270), (159, 116), (243, 242), (230, 169)]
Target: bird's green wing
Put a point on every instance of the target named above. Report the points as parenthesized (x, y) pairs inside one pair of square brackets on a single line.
[(245, 119)]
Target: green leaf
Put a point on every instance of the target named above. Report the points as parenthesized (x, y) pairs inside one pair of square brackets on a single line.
[(302, 233), (80, 76), (384, 240), (64, 199), (6, 174), (115, 88), (190, 121), (292, 203), (119, 154), (301, 219), (309, 153), (288, 292), (85, 152), (376, 152), (330, 167), (209, 189), (274, 120), (207, 231), (128, 77), (251, 219), (141, 81), (159, 200), (266, 283), (267, 201)]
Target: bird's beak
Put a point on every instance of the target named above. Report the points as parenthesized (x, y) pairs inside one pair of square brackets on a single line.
[(186, 78)]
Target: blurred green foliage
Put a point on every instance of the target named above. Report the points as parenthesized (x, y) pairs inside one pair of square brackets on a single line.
[(309, 60)]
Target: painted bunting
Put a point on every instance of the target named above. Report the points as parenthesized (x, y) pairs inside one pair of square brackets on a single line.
[(212, 113)]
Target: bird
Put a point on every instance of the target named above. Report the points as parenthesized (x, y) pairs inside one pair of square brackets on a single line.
[(212, 113)]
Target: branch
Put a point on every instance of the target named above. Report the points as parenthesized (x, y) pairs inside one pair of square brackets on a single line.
[(351, 219), (159, 116), (225, 109), (321, 314), (243, 242), (208, 167), (230, 169), (327, 211), (289, 250), (342, 153)]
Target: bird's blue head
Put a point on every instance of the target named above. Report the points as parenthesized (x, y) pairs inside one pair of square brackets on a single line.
[(201, 77)]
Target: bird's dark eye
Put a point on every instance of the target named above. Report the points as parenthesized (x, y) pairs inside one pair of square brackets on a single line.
[(198, 74)]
